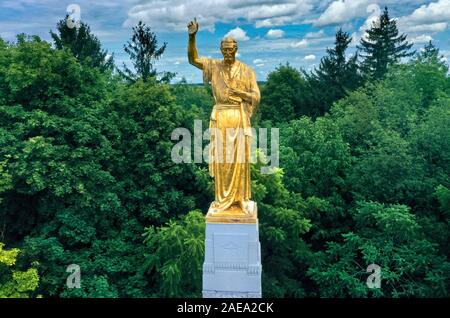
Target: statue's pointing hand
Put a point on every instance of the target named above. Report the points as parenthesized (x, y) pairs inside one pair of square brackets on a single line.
[(193, 27)]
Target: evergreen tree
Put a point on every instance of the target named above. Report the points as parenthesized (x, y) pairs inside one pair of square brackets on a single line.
[(83, 44), (431, 54), (143, 51), (335, 76), (429, 51), (383, 46)]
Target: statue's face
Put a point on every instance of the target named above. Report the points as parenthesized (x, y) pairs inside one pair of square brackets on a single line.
[(228, 51)]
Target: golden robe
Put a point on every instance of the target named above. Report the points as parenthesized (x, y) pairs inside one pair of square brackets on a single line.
[(229, 152)]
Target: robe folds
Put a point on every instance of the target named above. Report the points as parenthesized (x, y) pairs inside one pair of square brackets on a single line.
[(230, 128)]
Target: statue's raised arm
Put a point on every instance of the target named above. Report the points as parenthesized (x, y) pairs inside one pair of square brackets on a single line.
[(192, 47)]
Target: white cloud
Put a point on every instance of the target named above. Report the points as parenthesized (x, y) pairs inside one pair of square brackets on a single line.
[(424, 38), (275, 33), (238, 34), (433, 17), (375, 12), (374, 17), (434, 27), (284, 45), (300, 44), (315, 35), (258, 61), (434, 12), (269, 11), (310, 57), (341, 11), (173, 15)]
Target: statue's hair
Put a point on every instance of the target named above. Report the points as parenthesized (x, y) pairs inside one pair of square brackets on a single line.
[(229, 39)]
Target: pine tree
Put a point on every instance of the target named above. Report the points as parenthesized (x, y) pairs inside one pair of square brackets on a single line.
[(383, 46), (335, 76), (429, 51), (431, 54), (143, 51), (83, 44), (431, 68)]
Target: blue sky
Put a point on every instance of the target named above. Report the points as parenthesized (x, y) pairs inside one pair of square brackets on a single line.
[(269, 32)]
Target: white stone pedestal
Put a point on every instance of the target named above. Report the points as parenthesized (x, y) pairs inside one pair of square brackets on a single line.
[(232, 266)]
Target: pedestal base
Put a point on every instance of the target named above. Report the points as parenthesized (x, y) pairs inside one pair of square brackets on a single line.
[(232, 266)]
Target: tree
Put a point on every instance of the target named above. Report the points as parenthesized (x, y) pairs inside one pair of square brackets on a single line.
[(176, 253), (195, 99), (285, 254), (315, 159), (86, 176), (391, 237), (15, 283), (431, 138), (84, 45), (443, 195), (383, 46), (176, 250), (5, 179), (334, 78), (388, 172), (430, 54), (281, 95), (431, 74), (143, 51), (90, 166)]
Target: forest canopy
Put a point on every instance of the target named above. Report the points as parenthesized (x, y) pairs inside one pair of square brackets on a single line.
[(86, 175)]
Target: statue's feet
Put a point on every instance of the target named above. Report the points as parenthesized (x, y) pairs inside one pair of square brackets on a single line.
[(238, 212)]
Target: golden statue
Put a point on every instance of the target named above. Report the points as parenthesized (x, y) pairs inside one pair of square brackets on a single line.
[(236, 95)]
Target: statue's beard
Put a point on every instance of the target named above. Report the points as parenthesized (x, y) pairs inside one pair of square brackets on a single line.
[(229, 59)]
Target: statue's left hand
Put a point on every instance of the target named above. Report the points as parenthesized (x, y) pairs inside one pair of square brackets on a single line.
[(244, 95)]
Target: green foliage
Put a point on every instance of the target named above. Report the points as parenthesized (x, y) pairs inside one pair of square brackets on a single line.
[(281, 95), (282, 221), (89, 160), (143, 51), (333, 79), (15, 283), (316, 156), (431, 55), (390, 237), (197, 101), (86, 169), (388, 171), (383, 47), (443, 195), (289, 93), (175, 256), (83, 44), (400, 143), (432, 139), (5, 179)]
